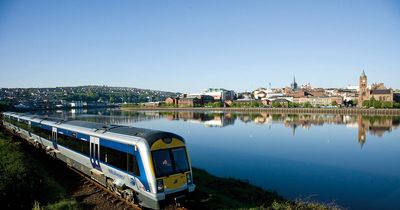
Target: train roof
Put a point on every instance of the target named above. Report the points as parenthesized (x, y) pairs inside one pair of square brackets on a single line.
[(148, 134)]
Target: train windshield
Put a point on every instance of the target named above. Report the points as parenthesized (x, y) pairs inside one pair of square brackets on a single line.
[(170, 161)]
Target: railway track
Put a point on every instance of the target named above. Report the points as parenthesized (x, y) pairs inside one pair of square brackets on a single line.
[(105, 193)]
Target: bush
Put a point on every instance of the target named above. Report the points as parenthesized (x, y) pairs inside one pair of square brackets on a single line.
[(307, 105), (14, 177), (64, 204), (378, 104), (214, 104), (276, 104), (134, 105), (24, 179)]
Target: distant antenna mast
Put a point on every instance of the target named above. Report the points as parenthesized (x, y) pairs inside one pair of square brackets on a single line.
[(270, 86)]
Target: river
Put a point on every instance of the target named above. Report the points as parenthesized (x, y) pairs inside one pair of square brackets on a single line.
[(350, 160)]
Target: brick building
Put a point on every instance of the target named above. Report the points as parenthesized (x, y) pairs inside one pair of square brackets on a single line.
[(377, 91)]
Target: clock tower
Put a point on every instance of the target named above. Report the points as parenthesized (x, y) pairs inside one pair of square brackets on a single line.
[(362, 90)]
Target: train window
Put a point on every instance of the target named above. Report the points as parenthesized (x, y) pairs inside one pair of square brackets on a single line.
[(114, 157), (44, 133), (133, 166), (121, 160), (180, 159), (170, 161), (162, 163), (91, 149), (73, 144), (96, 151), (24, 124)]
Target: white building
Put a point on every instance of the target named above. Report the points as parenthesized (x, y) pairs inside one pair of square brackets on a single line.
[(266, 94), (220, 94)]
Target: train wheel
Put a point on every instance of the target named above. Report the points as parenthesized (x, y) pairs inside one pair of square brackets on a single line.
[(129, 196), (110, 185)]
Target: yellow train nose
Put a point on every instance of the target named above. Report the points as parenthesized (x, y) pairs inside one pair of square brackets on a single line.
[(175, 181)]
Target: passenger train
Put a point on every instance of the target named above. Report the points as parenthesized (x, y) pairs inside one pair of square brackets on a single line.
[(146, 167)]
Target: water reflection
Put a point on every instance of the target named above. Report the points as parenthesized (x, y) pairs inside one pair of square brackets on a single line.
[(374, 125)]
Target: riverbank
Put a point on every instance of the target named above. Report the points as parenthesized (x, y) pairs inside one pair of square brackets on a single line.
[(49, 190), (346, 111), (214, 192)]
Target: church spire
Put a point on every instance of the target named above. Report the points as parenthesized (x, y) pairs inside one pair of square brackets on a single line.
[(363, 74), (294, 84)]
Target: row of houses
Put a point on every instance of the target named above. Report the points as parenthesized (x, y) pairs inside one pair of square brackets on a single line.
[(202, 100), (294, 93)]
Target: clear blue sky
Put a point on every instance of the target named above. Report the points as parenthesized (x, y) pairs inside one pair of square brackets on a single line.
[(191, 45)]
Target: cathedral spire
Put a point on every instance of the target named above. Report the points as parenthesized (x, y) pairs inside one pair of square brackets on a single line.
[(294, 84)]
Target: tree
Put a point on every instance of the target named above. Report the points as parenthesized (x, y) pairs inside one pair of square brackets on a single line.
[(307, 105), (387, 104), (355, 102), (334, 103), (366, 104)]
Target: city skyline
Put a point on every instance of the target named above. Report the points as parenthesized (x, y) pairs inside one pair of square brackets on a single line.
[(190, 46)]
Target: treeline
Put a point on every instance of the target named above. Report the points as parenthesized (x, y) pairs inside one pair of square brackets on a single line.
[(112, 97), (373, 103), (6, 105)]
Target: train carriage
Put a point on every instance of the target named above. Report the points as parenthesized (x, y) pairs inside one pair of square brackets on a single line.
[(147, 167)]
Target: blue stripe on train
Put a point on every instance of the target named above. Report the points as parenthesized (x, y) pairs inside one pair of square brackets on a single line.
[(116, 145), (106, 143), (73, 134)]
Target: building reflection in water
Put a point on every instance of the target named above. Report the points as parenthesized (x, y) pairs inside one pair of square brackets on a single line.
[(374, 125)]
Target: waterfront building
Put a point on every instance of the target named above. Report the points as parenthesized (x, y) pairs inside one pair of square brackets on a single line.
[(377, 91), (189, 102), (260, 93), (319, 101), (76, 104), (274, 98), (172, 100), (317, 92), (242, 102), (220, 94), (193, 100), (245, 95), (294, 93), (266, 94)]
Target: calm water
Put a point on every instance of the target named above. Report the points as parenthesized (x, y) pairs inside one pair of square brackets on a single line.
[(352, 160)]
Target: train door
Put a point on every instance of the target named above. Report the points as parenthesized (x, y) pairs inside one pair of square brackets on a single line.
[(95, 152), (54, 137)]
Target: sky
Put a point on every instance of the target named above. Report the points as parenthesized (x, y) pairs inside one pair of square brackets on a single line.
[(188, 46)]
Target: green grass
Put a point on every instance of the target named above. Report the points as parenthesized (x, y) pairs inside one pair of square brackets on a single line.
[(227, 193), (64, 204), (24, 179)]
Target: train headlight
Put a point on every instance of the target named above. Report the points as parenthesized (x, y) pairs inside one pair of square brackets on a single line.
[(160, 185), (189, 178)]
